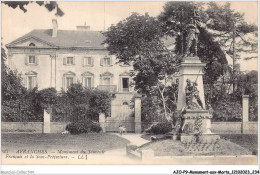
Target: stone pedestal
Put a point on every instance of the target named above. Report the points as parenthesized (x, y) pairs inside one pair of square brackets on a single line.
[(192, 69), (46, 122), (138, 128), (245, 104), (195, 131), (102, 121)]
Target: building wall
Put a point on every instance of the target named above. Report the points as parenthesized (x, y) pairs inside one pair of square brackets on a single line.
[(49, 75), (43, 69), (96, 69)]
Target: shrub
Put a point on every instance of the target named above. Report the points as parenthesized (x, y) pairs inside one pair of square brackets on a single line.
[(227, 110), (160, 128), (83, 127)]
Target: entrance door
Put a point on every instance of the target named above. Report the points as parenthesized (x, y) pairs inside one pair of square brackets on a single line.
[(125, 82)]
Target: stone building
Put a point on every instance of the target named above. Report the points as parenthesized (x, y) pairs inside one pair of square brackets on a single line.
[(58, 58)]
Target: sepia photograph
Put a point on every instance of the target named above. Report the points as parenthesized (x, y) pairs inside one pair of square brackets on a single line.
[(129, 83)]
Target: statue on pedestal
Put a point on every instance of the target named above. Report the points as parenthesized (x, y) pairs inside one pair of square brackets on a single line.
[(193, 100), (192, 35)]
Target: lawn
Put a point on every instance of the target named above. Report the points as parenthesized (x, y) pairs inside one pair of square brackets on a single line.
[(249, 141), (230, 144), (90, 141)]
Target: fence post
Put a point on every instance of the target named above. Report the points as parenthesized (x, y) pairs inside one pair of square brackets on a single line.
[(245, 104), (102, 121), (47, 122), (138, 128)]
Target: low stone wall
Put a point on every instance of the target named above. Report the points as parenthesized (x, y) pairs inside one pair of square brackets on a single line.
[(234, 127), (58, 127), (32, 127), (250, 128)]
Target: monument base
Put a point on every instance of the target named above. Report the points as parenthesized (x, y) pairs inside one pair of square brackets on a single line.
[(195, 132)]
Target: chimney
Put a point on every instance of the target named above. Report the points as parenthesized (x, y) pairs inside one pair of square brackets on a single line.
[(83, 28), (54, 28)]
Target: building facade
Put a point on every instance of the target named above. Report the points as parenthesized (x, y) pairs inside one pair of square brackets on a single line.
[(58, 58)]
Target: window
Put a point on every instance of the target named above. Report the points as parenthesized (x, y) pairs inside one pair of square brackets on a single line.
[(87, 61), (125, 84), (106, 80), (31, 44), (68, 79), (88, 79), (69, 60), (88, 82), (32, 60), (30, 80), (106, 61)]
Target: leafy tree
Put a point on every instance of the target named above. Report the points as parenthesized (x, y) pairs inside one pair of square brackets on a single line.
[(12, 87), (174, 19), (46, 98), (234, 34), (231, 29), (138, 40), (248, 84), (50, 6)]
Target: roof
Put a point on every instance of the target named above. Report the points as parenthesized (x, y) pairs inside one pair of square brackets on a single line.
[(67, 38), (74, 38)]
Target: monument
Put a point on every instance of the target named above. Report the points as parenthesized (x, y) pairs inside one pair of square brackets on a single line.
[(195, 120)]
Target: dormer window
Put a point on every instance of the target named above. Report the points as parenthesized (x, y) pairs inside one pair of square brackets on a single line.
[(32, 44)]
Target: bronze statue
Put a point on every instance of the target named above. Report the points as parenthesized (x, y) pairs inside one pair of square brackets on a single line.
[(193, 100), (192, 35)]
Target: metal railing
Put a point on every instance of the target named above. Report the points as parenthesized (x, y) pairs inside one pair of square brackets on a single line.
[(110, 88)]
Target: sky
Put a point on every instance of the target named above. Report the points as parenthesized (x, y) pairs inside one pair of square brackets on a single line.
[(98, 15)]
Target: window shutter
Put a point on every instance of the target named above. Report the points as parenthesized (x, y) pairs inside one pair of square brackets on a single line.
[(63, 82), (64, 61), (101, 61), (36, 60), (26, 60), (111, 62), (92, 61), (25, 81), (34, 81), (74, 59)]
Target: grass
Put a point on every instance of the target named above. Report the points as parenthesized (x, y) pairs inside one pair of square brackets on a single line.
[(176, 148), (90, 141), (248, 141), (230, 144)]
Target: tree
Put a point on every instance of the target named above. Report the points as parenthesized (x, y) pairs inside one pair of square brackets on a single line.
[(50, 6), (234, 34), (174, 19), (137, 40), (46, 98), (12, 87)]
